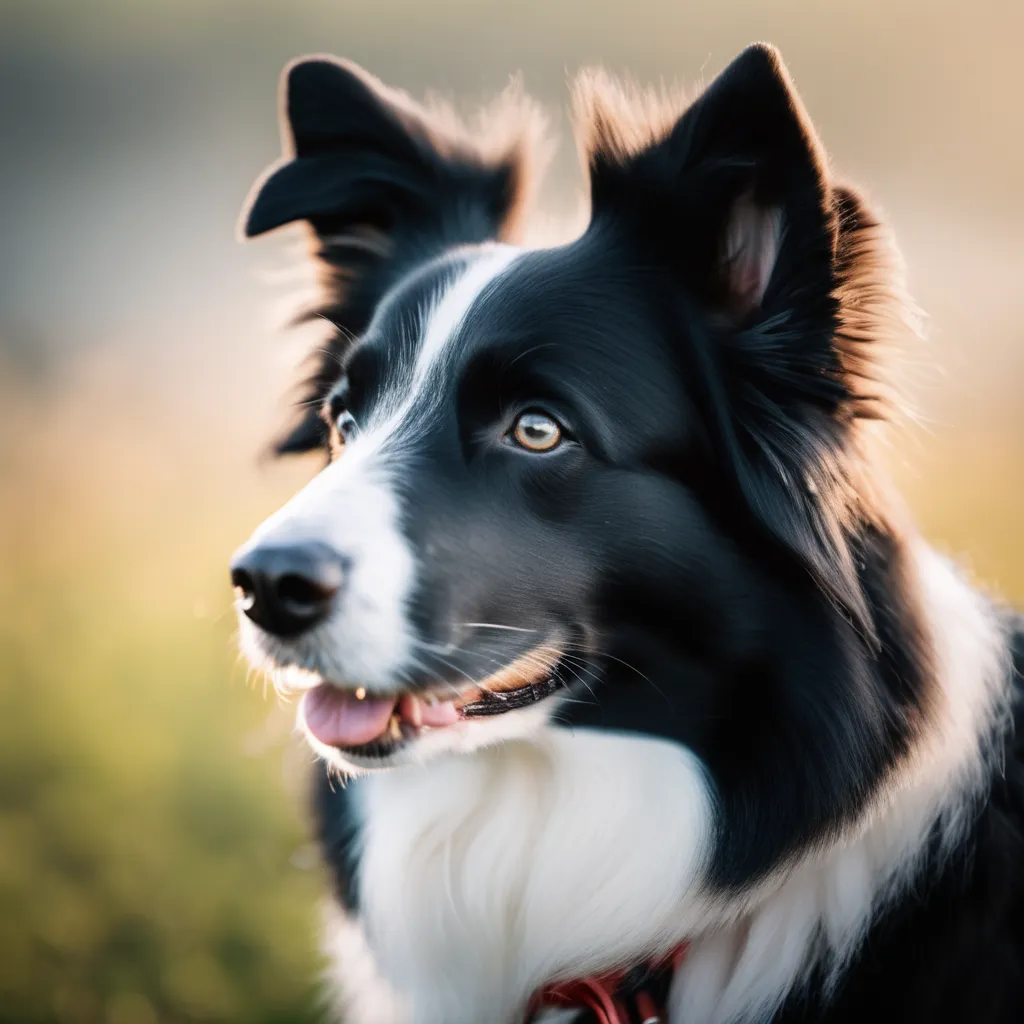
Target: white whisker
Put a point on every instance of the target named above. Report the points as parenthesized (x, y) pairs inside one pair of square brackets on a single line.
[(496, 625)]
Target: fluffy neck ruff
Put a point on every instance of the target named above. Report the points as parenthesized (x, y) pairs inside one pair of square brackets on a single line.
[(808, 919)]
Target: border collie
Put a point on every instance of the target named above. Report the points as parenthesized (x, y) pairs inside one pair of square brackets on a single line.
[(621, 659)]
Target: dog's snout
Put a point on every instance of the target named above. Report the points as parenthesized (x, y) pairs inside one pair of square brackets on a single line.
[(287, 590)]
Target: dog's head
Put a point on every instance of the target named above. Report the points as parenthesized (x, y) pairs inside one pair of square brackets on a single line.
[(554, 473)]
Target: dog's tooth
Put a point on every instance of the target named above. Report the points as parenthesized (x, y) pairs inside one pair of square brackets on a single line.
[(360, 693), (395, 728)]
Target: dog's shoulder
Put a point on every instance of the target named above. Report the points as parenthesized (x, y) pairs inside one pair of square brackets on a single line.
[(952, 949)]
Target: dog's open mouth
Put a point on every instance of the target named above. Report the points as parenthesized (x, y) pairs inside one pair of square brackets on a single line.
[(374, 726)]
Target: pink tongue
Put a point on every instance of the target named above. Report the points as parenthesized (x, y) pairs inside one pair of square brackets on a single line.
[(338, 719)]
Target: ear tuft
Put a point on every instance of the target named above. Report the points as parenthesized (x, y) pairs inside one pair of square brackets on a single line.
[(880, 326), (615, 119)]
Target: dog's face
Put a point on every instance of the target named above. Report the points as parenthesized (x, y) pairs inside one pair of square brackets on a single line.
[(509, 488), (548, 463)]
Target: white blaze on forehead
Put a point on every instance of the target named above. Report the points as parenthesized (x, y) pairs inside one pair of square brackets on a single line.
[(441, 323)]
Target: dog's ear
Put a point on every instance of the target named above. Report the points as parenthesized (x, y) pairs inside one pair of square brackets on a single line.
[(384, 184), (733, 198)]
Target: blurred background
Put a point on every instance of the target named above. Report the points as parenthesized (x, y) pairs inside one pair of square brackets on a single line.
[(154, 864)]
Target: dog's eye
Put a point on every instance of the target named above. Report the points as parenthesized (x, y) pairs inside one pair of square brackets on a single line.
[(336, 411), (536, 432), (346, 425)]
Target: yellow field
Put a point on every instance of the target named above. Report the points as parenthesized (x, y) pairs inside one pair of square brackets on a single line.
[(153, 863)]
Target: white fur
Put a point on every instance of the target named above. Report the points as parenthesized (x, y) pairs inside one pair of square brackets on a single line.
[(400, 414), (355, 986), (449, 313), (483, 877), (367, 640)]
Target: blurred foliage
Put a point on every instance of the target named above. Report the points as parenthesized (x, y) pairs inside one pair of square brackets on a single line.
[(153, 862)]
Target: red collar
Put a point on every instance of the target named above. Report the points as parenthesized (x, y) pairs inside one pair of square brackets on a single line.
[(610, 997)]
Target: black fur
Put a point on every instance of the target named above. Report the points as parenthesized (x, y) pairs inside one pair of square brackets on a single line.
[(953, 950), (337, 830)]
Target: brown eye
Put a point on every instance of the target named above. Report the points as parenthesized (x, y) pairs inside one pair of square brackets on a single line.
[(536, 432)]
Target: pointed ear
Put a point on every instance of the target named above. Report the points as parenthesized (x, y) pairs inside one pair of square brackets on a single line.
[(728, 189), (384, 184), (779, 278)]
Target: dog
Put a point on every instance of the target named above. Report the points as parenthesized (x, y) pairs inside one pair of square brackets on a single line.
[(636, 694)]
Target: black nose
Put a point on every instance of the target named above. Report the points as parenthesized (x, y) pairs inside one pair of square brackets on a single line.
[(288, 589)]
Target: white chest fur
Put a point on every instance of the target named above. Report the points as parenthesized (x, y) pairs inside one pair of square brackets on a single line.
[(483, 877)]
